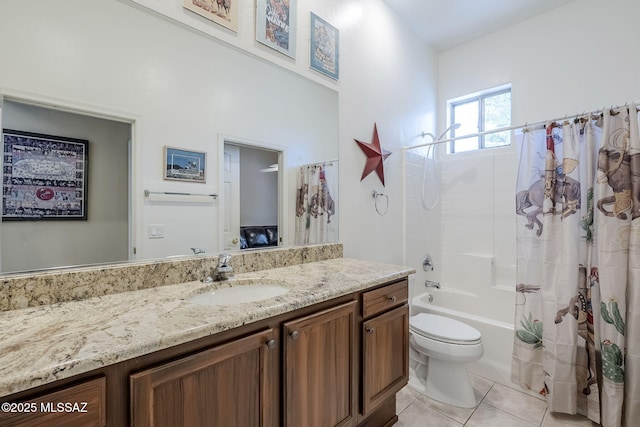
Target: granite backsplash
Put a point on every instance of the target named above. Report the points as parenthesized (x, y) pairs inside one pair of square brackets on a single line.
[(61, 285)]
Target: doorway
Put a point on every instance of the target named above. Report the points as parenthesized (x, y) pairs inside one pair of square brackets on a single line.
[(252, 196)]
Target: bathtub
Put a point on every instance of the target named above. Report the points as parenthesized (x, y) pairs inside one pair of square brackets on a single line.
[(491, 315)]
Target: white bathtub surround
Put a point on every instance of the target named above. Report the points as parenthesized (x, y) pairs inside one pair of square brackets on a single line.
[(479, 268)]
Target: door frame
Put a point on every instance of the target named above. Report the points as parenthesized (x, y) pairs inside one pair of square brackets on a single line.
[(283, 193)]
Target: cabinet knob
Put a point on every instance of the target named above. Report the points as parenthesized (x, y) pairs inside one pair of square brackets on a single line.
[(370, 330), (234, 241), (294, 335), (271, 344), (392, 298)]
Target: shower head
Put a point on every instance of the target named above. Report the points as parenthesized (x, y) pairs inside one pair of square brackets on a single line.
[(454, 126)]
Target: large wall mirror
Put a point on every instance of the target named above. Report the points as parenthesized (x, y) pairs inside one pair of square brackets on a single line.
[(32, 244), (131, 93)]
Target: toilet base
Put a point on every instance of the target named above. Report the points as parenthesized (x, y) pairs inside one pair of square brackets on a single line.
[(446, 382)]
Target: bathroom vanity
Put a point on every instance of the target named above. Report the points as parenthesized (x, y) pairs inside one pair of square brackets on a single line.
[(331, 351)]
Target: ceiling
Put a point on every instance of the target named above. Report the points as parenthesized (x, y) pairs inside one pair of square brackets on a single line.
[(447, 23)]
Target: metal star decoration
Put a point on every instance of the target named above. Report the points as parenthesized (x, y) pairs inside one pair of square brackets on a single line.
[(376, 155)]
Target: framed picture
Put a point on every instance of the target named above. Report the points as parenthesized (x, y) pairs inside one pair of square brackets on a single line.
[(44, 177), (184, 165), (276, 25), (223, 12), (324, 47)]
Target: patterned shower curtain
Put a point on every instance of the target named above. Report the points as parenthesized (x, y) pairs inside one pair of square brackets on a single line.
[(577, 324), (316, 204)]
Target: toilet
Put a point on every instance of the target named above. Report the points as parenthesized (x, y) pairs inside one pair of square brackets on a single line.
[(440, 348)]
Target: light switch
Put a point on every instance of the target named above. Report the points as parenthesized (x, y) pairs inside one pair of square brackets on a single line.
[(156, 231)]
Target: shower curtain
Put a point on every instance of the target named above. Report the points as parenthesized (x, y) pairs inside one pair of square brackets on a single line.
[(577, 338), (316, 204)]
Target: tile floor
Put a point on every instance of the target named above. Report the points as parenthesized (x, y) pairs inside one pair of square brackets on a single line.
[(499, 406)]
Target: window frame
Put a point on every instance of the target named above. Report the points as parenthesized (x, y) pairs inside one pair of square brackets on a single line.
[(479, 98)]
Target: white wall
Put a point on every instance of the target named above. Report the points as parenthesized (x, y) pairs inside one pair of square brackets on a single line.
[(582, 56), (388, 77), (258, 190)]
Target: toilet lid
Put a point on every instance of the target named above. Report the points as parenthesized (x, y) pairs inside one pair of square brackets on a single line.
[(444, 329)]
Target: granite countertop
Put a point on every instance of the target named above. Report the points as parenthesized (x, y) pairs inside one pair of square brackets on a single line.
[(43, 344)]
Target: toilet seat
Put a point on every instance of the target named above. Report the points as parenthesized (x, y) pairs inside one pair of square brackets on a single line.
[(444, 329)]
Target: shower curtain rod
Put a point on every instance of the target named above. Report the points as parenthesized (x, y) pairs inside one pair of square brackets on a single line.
[(536, 125)]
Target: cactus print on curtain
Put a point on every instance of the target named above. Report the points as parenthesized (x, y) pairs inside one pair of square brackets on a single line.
[(554, 346), (578, 269), (618, 243)]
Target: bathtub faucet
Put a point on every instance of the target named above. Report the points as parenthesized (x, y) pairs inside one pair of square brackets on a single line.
[(432, 284)]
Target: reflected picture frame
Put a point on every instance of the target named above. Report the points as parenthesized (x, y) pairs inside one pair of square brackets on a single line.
[(276, 25), (185, 165), (324, 47), (45, 177), (222, 12)]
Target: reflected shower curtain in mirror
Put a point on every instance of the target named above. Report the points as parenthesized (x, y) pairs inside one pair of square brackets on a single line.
[(316, 204), (577, 326)]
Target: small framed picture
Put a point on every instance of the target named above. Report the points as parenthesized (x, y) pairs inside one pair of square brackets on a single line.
[(324, 47), (44, 177), (184, 165), (223, 12), (276, 25)]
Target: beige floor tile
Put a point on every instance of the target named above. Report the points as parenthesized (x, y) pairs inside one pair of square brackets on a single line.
[(516, 403), (418, 414), (564, 420), (461, 415), (490, 416), (480, 387), (404, 398)]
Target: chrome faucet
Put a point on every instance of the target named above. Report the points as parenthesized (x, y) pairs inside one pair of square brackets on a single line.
[(223, 271), (432, 284)]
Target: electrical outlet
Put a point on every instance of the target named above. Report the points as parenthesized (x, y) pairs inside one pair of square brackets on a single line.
[(156, 231)]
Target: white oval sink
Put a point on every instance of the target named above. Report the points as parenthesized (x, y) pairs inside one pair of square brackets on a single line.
[(238, 294)]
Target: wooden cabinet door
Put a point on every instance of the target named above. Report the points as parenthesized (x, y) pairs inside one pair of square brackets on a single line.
[(319, 369), (229, 385), (385, 356)]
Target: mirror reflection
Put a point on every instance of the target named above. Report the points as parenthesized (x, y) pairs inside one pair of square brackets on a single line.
[(131, 96), (104, 235), (252, 197)]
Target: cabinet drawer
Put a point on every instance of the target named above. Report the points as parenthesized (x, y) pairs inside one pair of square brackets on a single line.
[(80, 405), (382, 299)]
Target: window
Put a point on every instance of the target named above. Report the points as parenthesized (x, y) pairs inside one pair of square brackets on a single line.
[(478, 113)]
